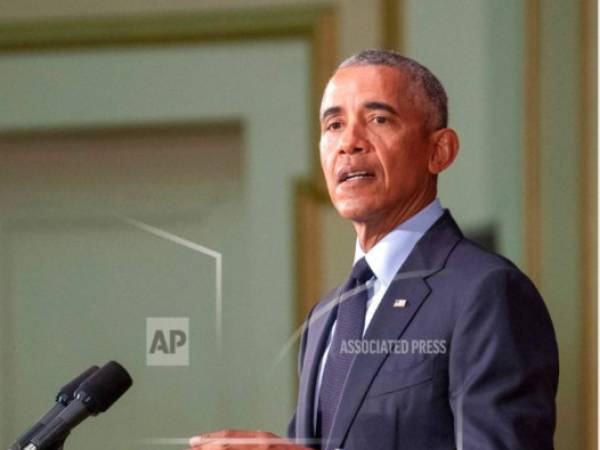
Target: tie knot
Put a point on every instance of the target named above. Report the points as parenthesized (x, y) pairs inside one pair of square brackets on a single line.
[(361, 271)]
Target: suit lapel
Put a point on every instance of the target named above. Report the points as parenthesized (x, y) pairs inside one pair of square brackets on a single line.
[(428, 257), (388, 323), (319, 326)]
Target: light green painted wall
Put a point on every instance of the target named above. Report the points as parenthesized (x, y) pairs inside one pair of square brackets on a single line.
[(263, 86), (503, 63), (475, 49)]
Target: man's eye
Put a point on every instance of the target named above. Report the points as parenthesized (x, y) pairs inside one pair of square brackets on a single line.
[(334, 126), (380, 119)]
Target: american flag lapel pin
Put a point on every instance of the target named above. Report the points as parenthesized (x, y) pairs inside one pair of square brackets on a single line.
[(400, 303)]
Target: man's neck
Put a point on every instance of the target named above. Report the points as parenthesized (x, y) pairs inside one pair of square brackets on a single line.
[(369, 233)]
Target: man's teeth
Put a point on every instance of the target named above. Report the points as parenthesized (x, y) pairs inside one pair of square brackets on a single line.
[(354, 175)]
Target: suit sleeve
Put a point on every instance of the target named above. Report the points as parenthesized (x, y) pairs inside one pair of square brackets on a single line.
[(503, 366)]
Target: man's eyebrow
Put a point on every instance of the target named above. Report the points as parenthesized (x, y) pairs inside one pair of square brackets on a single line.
[(330, 112), (368, 105), (380, 105)]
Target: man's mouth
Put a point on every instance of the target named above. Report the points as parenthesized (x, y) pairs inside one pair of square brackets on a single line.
[(354, 175)]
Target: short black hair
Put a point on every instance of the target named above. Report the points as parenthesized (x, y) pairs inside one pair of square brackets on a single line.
[(427, 89)]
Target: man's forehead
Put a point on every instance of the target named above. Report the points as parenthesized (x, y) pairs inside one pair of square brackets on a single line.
[(366, 83), (368, 76)]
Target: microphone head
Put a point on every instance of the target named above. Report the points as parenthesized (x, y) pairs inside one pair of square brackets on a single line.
[(104, 387), (67, 392)]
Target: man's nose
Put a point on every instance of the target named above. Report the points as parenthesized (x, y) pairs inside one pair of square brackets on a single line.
[(353, 139)]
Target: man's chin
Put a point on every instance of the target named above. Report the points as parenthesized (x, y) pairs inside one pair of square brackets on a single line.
[(355, 213)]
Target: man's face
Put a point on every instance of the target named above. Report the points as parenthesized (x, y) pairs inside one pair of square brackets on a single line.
[(374, 146)]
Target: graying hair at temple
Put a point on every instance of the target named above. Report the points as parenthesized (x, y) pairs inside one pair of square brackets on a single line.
[(427, 89)]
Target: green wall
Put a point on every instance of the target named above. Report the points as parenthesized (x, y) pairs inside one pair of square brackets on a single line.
[(78, 283)]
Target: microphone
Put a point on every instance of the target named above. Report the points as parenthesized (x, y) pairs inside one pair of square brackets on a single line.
[(63, 398), (94, 395)]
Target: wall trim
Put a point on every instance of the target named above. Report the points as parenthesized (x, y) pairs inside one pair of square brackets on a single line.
[(157, 29), (587, 195), (532, 141), (588, 199), (392, 36)]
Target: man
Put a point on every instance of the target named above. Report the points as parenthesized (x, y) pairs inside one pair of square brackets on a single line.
[(433, 342)]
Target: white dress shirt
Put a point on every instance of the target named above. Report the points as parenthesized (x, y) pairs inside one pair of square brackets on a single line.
[(385, 259)]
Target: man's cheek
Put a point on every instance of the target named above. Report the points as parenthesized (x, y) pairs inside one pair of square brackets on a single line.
[(325, 157), (327, 166)]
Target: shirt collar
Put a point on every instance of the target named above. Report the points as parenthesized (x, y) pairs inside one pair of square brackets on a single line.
[(388, 255)]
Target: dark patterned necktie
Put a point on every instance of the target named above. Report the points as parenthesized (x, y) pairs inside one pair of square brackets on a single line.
[(349, 326)]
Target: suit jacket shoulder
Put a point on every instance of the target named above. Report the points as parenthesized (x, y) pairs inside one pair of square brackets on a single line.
[(492, 386)]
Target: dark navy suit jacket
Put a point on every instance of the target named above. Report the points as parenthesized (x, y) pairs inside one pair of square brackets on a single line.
[(493, 387)]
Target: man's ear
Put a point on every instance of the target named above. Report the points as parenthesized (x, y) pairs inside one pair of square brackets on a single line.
[(444, 149)]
